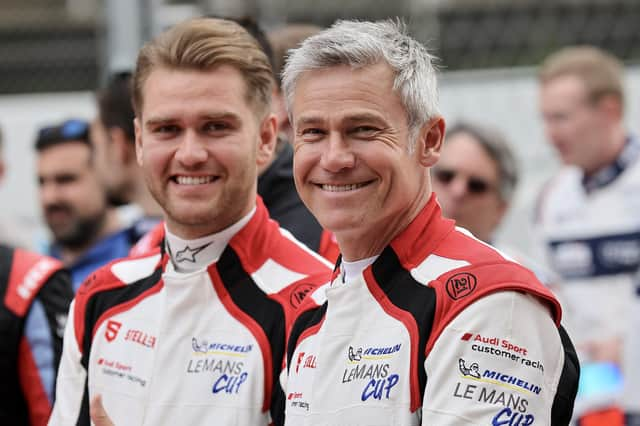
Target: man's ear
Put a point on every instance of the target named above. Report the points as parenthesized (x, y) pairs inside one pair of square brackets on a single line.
[(429, 141), (121, 146), (137, 127), (268, 139)]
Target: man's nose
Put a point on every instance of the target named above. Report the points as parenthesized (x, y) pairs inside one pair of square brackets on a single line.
[(49, 193), (192, 150), (458, 187), (338, 154)]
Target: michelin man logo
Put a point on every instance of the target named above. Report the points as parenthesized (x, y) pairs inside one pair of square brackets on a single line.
[(472, 371)]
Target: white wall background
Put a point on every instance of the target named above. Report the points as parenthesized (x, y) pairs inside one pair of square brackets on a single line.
[(506, 98)]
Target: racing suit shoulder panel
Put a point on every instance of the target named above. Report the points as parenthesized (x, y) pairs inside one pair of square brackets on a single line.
[(29, 272), (262, 243), (115, 286), (458, 288), (501, 359)]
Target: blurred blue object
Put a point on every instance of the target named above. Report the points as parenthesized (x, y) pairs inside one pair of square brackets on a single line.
[(599, 378)]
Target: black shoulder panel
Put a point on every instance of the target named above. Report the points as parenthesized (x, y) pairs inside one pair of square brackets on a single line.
[(413, 297), (304, 321), (266, 312), (100, 302), (96, 306)]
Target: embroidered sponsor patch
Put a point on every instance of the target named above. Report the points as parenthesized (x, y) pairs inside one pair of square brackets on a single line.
[(461, 285), (299, 293)]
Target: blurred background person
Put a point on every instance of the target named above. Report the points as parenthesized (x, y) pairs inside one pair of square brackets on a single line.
[(36, 294), (475, 178), (475, 181), (588, 217), (113, 139), (86, 231)]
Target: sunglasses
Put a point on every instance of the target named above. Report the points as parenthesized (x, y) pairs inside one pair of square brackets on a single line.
[(475, 185), (73, 129)]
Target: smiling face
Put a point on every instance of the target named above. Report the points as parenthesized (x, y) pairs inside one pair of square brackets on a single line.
[(199, 142), (352, 165)]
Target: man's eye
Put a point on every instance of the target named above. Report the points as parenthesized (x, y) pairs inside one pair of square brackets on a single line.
[(169, 128), (311, 131), (215, 127), (364, 130)]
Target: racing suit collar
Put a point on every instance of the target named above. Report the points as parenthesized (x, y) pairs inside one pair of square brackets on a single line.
[(196, 254)]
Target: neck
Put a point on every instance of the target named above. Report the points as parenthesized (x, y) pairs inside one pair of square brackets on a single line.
[(359, 243)]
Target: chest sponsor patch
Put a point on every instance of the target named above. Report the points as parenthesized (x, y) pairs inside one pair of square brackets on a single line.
[(111, 330), (305, 360), (371, 353), (229, 383), (204, 347), (119, 370)]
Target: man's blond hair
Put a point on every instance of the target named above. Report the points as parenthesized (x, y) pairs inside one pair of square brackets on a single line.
[(203, 44), (601, 72)]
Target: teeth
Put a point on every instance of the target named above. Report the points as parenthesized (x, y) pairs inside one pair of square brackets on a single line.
[(342, 188), (194, 180)]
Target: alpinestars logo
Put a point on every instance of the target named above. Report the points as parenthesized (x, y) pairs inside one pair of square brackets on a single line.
[(188, 254)]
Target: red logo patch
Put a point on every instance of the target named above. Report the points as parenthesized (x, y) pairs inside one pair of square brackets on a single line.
[(461, 285), (112, 330), (300, 357), (299, 293)]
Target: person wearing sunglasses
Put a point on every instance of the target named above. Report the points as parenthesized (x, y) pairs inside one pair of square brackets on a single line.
[(475, 178), (86, 230)]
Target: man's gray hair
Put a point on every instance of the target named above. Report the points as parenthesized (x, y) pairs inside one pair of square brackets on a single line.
[(360, 43), (496, 146)]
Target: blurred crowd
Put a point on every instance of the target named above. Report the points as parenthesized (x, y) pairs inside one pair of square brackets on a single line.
[(100, 205)]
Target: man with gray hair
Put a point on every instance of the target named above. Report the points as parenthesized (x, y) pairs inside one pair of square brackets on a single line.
[(419, 325)]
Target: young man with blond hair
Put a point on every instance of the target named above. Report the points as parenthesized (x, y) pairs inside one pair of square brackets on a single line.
[(196, 331)]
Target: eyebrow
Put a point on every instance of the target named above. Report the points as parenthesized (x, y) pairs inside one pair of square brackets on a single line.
[(356, 118), (208, 116), (359, 118)]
